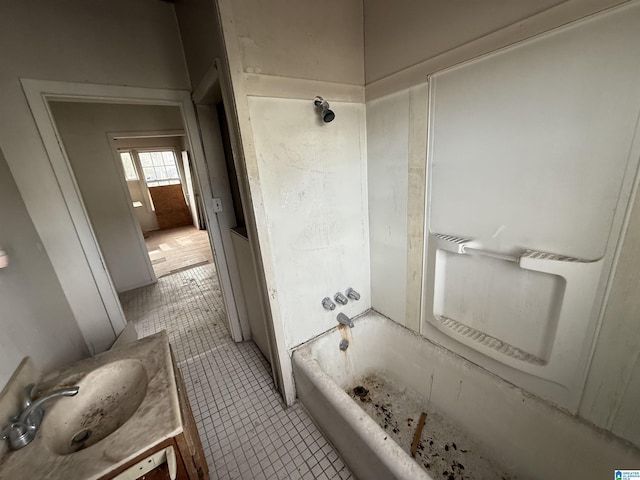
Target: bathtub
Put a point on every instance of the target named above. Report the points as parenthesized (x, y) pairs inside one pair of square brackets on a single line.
[(529, 437)]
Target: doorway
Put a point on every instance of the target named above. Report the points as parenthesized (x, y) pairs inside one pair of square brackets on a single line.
[(107, 320), (132, 187), (166, 200)]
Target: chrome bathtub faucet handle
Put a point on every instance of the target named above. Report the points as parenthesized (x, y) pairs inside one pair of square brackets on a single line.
[(328, 304), (340, 298), (352, 294)]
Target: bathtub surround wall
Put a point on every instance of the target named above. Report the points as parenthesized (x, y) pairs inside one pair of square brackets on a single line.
[(36, 319), (84, 129), (612, 389), (315, 52), (314, 189), (396, 167)]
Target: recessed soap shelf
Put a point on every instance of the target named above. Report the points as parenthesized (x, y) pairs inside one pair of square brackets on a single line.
[(581, 279), (467, 246), (489, 341)]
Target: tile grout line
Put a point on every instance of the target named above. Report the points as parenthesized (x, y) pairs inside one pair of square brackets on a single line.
[(246, 432)]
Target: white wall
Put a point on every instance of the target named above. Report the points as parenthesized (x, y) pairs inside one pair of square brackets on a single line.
[(83, 128), (310, 40), (313, 181), (35, 318), (117, 42), (311, 176), (218, 179), (249, 284), (612, 389), (144, 214), (404, 33), (200, 36)]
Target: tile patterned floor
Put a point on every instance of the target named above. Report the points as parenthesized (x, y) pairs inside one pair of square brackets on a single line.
[(245, 430)]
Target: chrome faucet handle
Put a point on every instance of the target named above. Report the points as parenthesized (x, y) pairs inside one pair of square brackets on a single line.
[(340, 298), (23, 429), (26, 396), (18, 435), (352, 294), (328, 304)]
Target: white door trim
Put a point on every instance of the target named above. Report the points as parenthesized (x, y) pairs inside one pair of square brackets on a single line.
[(39, 93)]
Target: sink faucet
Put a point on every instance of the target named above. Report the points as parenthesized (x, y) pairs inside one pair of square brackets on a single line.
[(344, 320), (25, 425)]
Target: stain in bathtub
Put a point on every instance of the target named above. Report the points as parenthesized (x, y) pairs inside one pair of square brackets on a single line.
[(345, 333), (394, 409)]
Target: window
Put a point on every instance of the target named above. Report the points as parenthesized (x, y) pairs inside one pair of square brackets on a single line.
[(159, 168), (130, 172)]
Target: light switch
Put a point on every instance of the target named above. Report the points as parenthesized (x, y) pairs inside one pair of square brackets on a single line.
[(217, 205)]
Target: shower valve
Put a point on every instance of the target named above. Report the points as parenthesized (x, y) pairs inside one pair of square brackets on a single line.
[(340, 298), (352, 294), (328, 304)]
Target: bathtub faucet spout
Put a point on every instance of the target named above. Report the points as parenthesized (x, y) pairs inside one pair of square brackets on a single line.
[(344, 320)]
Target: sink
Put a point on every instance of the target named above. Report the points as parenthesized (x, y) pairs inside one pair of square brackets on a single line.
[(108, 397), (127, 403)]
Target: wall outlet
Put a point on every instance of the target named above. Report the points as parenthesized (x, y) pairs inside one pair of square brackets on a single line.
[(217, 205)]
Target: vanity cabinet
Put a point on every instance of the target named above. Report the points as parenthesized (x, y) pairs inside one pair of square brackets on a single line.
[(190, 462)]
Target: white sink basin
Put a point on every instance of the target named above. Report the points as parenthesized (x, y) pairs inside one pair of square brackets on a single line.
[(108, 397), (127, 403)]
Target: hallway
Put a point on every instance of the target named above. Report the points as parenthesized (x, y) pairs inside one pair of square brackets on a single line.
[(246, 433)]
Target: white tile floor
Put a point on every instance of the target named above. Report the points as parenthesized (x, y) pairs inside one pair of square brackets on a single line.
[(245, 430)]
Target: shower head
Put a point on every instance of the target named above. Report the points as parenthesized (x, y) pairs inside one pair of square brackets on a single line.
[(322, 106)]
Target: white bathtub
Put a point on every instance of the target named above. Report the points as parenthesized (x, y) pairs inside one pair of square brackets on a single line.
[(527, 436)]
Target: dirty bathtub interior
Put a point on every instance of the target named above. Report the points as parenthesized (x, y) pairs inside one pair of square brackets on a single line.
[(442, 449), (368, 400)]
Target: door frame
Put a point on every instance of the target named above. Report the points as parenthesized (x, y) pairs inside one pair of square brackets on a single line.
[(38, 94)]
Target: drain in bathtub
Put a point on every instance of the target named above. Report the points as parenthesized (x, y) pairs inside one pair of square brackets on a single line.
[(360, 391)]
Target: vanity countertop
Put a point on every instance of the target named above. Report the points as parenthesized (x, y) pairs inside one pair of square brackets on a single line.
[(156, 419)]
